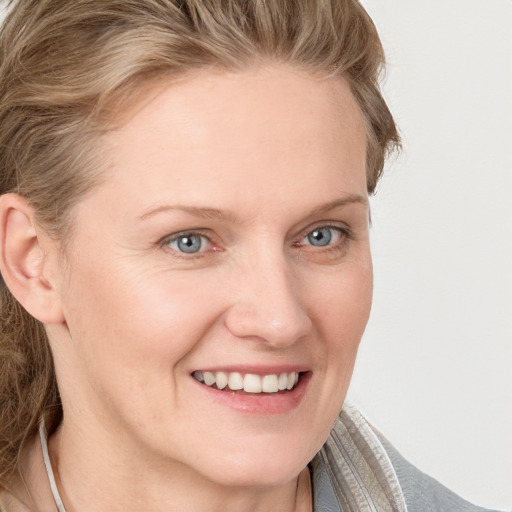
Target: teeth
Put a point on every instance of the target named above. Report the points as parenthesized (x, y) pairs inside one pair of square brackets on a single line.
[(235, 381), (209, 378), (250, 383), (269, 384), (221, 379), (198, 376)]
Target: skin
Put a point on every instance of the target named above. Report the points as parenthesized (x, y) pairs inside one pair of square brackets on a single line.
[(279, 153)]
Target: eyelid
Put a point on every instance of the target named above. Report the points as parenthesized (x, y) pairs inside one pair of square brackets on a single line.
[(168, 239), (341, 227)]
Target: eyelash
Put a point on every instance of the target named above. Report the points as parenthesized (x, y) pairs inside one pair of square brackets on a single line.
[(165, 243), (345, 235)]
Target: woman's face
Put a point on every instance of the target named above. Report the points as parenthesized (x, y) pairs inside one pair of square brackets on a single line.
[(230, 237)]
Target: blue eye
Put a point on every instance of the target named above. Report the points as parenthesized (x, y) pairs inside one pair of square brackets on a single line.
[(322, 237), (188, 243)]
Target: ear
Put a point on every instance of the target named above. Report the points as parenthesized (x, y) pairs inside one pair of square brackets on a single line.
[(26, 256)]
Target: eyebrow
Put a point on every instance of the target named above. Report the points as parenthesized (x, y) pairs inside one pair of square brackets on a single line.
[(196, 211), (344, 201), (227, 215)]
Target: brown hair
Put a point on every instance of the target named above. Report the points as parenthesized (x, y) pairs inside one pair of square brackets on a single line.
[(69, 67)]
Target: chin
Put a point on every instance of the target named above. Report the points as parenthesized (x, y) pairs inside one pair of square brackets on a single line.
[(258, 467), (260, 475)]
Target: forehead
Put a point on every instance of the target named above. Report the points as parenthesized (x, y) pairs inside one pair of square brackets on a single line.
[(270, 130)]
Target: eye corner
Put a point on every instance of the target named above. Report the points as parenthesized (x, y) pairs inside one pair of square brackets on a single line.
[(186, 243), (326, 235)]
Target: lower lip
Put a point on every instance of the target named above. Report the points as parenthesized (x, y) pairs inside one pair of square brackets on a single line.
[(260, 403)]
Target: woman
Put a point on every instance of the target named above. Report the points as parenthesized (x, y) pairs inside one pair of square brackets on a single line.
[(186, 258)]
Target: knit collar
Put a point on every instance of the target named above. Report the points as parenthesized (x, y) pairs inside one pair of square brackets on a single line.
[(352, 472)]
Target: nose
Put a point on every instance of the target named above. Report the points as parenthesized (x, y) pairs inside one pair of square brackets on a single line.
[(266, 304)]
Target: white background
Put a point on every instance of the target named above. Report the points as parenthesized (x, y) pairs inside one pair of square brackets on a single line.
[(435, 367)]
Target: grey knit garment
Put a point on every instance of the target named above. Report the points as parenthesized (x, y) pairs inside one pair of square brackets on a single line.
[(358, 470)]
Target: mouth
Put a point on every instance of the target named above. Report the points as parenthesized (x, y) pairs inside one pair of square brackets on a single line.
[(256, 391), (240, 383)]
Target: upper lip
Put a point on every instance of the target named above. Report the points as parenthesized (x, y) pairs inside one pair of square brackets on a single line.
[(254, 369)]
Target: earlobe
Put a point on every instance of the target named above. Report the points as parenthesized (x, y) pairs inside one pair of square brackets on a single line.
[(23, 260)]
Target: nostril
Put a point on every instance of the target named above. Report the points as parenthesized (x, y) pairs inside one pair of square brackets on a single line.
[(277, 328)]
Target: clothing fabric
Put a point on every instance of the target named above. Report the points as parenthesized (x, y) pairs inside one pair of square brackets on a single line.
[(358, 470)]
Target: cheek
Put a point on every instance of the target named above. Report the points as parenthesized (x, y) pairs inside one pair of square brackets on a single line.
[(342, 307), (342, 317), (131, 330), (130, 334)]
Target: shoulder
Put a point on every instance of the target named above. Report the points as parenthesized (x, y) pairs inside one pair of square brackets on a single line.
[(368, 473), (421, 491)]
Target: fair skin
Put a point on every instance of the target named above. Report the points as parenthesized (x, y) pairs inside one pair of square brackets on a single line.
[(260, 176)]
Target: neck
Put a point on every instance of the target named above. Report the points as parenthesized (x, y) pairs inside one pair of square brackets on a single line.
[(92, 475)]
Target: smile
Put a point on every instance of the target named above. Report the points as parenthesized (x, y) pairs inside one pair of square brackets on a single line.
[(250, 382)]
